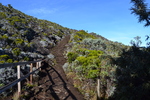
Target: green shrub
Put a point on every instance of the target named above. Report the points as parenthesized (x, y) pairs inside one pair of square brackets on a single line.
[(109, 47), (4, 57), (15, 35), (16, 51), (87, 52), (14, 19), (9, 61), (4, 36), (87, 62), (93, 74), (29, 44), (80, 35), (1, 84), (26, 58), (133, 74), (1, 62), (45, 34), (19, 41), (2, 15), (71, 56), (89, 65), (82, 60)]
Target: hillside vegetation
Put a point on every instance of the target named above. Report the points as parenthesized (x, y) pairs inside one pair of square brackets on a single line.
[(122, 70), (25, 38), (91, 57)]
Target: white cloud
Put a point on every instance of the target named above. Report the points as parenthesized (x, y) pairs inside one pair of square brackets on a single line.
[(42, 11)]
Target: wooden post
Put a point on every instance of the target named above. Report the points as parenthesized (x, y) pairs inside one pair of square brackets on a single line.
[(39, 64), (19, 83), (31, 69), (98, 89)]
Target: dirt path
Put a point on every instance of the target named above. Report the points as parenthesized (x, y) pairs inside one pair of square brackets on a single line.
[(54, 84)]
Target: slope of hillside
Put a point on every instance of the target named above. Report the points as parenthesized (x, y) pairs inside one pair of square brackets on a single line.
[(23, 35), (25, 38), (89, 58), (53, 84), (92, 57)]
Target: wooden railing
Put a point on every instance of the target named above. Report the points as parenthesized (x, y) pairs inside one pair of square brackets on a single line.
[(8, 86)]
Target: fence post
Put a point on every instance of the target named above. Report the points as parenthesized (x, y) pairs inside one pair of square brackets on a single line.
[(19, 83), (98, 89), (39, 64), (31, 69)]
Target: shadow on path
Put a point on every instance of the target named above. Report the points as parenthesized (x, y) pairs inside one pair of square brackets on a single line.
[(56, 81)]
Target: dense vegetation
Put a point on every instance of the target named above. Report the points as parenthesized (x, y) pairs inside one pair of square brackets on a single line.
[(132, 75), (123, 71), (92, 57), (120, 68), (25, 38), (21, 34), (140, 8)]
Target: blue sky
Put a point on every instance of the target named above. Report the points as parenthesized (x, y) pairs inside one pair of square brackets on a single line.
[(111, 19)]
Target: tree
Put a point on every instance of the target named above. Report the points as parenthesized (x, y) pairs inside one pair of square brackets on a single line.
[(132, 75), (141, 10), (137, 41)]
